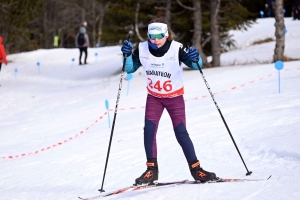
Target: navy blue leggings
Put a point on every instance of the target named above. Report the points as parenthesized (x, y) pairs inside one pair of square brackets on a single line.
[(176, 109)]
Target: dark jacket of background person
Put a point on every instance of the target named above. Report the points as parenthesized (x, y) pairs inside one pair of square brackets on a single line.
[(86, 37), (296, 9)]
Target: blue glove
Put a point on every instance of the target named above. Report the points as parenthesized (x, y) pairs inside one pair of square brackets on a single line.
[(193, 54), (127, 47)]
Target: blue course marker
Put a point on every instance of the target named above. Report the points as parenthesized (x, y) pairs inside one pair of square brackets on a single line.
[(279, 66), (261, 13), (107, 108), (129, 77)]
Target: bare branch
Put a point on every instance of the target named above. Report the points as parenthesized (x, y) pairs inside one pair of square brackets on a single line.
[(159, 8), (206, 41), (184, 6)]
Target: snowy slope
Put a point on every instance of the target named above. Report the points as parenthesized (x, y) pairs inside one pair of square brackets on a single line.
[(54, 126), (261, 54)]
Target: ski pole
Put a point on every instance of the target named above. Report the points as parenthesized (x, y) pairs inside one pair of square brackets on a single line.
[(115, 115), (213, 98)]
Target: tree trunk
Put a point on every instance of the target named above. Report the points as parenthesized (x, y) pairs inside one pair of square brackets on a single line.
[(61, 34), (279, 31), (136, 22), (215, 34), (44, 29), (198, 30), (168, 12), (93, 42), (104, 8)]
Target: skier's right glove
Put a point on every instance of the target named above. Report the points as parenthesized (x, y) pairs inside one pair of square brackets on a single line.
[(127, 47)]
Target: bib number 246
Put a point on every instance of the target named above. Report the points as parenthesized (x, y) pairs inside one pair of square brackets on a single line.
[(166, 86)]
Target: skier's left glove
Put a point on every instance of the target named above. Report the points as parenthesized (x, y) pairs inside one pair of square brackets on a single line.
[(193, 54)]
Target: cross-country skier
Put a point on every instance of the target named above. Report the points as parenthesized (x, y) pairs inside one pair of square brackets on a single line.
[(161, 58)]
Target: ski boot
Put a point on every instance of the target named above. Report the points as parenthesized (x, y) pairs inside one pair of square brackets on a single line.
[(150, 175), (199, 174)]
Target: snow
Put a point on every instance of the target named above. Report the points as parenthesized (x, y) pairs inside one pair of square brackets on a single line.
[(55, 133)]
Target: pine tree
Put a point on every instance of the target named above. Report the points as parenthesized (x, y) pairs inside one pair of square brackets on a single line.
[(16, 18)]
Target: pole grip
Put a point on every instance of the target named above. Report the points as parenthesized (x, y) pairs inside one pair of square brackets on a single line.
[(128, 39)]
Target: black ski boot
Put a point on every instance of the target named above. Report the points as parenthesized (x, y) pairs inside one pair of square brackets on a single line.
[(199, 174), (150, 175)]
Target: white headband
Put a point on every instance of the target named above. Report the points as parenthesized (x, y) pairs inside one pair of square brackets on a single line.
[(156, 28)]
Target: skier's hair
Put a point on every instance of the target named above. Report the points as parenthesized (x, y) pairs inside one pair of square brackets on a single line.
[(162, 20)]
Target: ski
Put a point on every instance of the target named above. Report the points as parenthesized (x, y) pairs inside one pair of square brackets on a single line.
[(134, 188), (160, 184), (224, 180)]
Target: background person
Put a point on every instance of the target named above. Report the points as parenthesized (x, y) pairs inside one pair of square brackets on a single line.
[(2, 53), (82, 42), (296, 9), (269, 8)]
